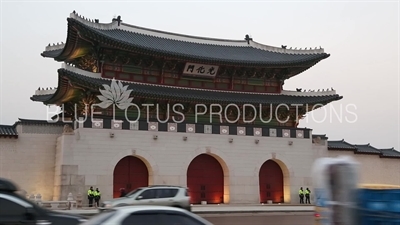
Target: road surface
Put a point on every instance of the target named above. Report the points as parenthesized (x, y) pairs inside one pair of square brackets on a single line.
[(289, 218)]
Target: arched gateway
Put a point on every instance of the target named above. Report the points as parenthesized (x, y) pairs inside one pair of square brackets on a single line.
[(130, 173), (271, 182), (205, 175), (205, 180)]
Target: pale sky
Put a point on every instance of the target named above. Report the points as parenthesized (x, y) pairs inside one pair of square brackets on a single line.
[(362, 38)]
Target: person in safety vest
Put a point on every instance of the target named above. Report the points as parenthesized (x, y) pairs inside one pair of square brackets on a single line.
[(90, 194), (97, 196), (301, 195), (307, 194)]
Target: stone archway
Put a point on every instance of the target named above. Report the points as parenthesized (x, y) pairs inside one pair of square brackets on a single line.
[(271, 182), (129, 173), (205, 180)]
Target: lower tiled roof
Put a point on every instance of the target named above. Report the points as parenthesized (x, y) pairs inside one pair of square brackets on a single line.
[(38, 122), (363, 149), (340, 145), (181, 94), (8, 131), (390, 152), (11, 130), (367, 149)]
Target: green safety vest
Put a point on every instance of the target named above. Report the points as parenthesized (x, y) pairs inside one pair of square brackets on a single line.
[(307, 192), (300, 192), (97, 193)]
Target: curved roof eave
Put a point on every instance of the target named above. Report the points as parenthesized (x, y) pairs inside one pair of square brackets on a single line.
[(52, 53), (56, 96), (60, 52), (41, 98), (163, 92)]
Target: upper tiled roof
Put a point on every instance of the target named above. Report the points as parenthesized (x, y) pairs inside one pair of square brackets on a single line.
[(244, 52), (8, 131), (52, 53), (184, 94)]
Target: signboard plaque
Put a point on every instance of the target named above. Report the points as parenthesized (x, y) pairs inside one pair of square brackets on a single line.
[(194, 69)]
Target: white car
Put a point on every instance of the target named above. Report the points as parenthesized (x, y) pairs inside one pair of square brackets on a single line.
[(162, 195), (146, 215)]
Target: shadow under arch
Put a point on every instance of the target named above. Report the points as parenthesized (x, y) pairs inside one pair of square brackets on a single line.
[(286, 177), (142, 155), (219, 156)]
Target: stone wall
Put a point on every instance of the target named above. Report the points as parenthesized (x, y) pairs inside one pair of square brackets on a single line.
[(29, 160), (47, 162), (96, 153), (373, 170)]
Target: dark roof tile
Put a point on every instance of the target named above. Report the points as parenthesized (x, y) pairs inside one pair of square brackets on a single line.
[(41, 98), (390, 152), (39, 122), (8, 131), (203, 51), (197, 49), (367, 149), (340, 145), (52, 54)]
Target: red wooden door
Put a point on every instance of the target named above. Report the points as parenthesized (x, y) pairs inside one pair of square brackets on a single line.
[(271, 182), (130, 173), (205, 180)]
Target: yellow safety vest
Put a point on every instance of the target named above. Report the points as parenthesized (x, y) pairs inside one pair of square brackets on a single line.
[(90, 193)]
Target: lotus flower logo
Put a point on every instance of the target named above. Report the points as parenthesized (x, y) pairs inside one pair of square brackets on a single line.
[(116, 94)]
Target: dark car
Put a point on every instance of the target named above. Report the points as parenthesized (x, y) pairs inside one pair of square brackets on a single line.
[(15, 210)]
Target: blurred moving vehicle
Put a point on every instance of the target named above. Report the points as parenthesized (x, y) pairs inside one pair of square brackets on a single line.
[(17, 210), (340, 199), (146, 215), (335, 186), (161, 195)]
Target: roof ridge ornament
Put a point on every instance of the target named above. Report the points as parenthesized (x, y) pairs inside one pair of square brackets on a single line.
[(95, 23), (52, 47), (248, 38), (118, 19), (45, 91)]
